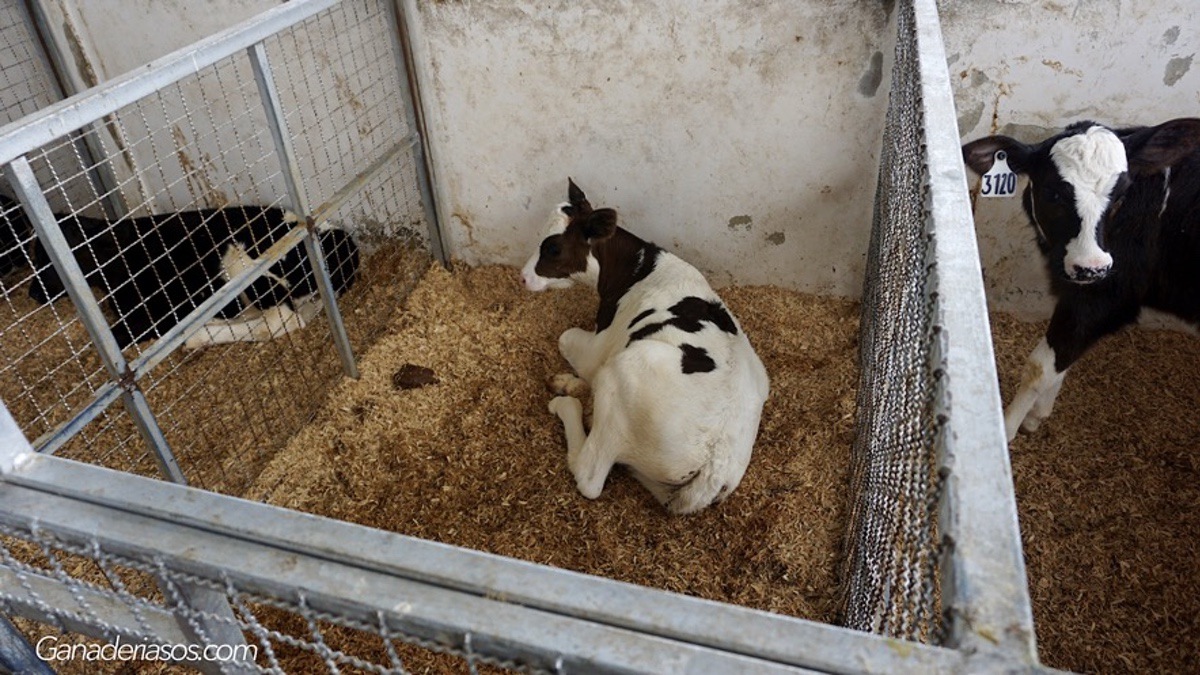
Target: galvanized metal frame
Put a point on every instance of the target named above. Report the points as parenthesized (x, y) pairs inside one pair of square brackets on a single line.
[(543, 616), (984, 588)]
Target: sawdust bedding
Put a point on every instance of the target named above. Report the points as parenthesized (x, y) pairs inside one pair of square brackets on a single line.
[(1108, 494), (476, 460)]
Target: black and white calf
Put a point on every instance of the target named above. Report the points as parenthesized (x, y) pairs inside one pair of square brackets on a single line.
[(1117, 218), (156, 269), (677, 389)]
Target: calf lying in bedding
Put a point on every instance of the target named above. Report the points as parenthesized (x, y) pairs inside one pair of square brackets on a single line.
[(678, 390)]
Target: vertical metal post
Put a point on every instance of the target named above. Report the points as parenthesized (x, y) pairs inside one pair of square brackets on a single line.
[(406, 72), (45, 224), (299, 200)]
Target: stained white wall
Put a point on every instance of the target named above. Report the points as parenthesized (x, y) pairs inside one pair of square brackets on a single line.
[(741, 135), (1027, 68)]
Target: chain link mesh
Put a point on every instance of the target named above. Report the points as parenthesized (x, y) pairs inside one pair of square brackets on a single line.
[(282, 634), (890, 551)]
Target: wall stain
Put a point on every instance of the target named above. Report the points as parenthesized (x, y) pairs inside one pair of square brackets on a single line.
[(868, 85), (1058, 67), (1171, 35), (468, 227), (776, 238), (743, 222), (199, 185), (1176, 69), (82, 63)]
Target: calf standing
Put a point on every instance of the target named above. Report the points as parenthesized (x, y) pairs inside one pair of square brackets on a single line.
[(677, 389), (1117, 218)]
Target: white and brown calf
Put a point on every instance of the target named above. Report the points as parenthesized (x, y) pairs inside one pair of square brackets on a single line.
[(677, 389), (1116, 213)]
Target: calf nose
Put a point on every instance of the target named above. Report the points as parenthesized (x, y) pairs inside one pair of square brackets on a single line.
[(1087, 275)]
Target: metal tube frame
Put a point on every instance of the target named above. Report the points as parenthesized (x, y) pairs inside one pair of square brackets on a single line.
[(25, 185), (984, 587), (416, 125), (299, 201), (523, 610)]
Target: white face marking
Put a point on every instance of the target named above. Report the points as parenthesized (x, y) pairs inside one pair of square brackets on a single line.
[(1091, 163), (534, 282)]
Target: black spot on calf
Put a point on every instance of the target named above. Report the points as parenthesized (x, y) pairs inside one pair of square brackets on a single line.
[(689, 315), (641, 316), (696, 360)]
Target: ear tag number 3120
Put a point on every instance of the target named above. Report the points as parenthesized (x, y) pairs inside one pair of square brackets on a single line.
[(999, 181)]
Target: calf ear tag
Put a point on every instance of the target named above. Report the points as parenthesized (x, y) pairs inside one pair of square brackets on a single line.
[(999, 181)]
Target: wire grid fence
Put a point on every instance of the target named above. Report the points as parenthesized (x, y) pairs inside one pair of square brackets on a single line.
[(891, 555), (204, 142), (27, 84), (74, 584), (67, 570)]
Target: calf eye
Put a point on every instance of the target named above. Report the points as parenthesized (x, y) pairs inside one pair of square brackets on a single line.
[(551, 247)]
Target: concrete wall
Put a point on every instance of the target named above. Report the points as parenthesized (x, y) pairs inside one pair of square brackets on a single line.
[(1026, 68), (741, 135)]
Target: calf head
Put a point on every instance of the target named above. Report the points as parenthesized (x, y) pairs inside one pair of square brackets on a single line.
[(1077, 183), (565, 253)]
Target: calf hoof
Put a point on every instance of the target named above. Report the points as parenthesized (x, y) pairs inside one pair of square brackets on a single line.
[(565, 405), (567, 384), (1031, 423)]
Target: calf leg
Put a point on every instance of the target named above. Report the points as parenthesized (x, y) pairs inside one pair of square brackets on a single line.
[(1077, 324), (579, 348), (273, 322), (586, 458), (1035, 397)]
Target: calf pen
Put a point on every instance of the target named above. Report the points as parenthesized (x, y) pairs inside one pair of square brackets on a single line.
[(932, 581)]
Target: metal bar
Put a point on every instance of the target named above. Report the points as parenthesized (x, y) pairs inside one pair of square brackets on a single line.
[(667, 615), (74, 113), (14, 447), (45, 224), (49, 600), (299, 196), (502, 625), (330, 206), (16, 654), (416, 124), (984, 588), (277, 122)]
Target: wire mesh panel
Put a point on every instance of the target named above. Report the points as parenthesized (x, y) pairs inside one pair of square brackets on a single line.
[(891, 555), (197, 165)]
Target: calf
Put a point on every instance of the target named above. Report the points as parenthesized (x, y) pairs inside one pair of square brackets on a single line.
[(156, 269), (677, 389), (1116, 213)]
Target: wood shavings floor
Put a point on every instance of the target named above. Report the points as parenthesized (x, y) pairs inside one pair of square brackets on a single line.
[(476, 460), (1108, 493)]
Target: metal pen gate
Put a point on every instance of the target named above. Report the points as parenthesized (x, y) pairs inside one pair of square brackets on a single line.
[(937, 587)]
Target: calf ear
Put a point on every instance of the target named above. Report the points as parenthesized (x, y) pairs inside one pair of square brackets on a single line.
[(600, 225), (1153, 149), (980, 154), (576, 196)]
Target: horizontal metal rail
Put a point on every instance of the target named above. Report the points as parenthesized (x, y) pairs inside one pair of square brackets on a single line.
[(75, 112), (139, 516)]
